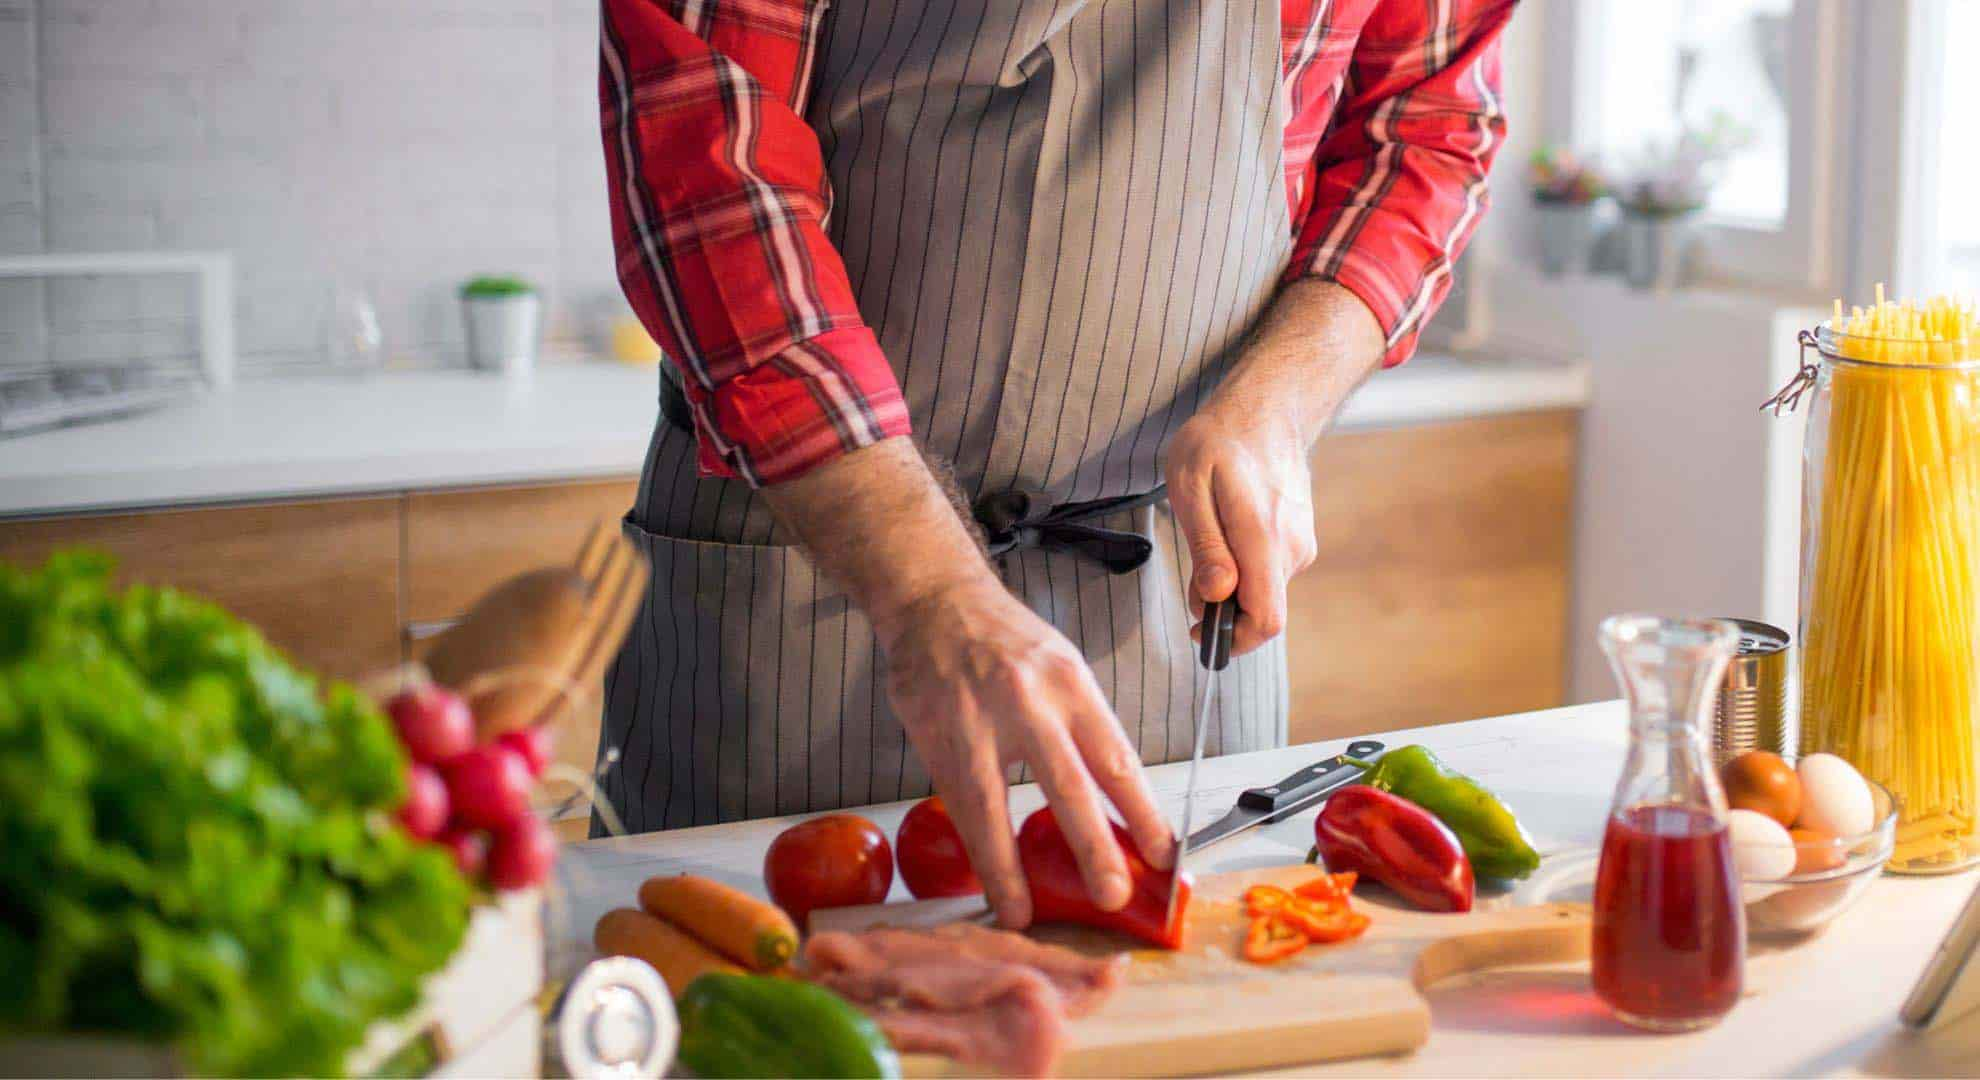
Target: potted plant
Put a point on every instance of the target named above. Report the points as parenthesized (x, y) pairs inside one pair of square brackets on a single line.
[(504, 317), (1566, 190), (1670, 183)]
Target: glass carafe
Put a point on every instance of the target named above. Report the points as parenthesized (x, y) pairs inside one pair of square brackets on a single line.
[(1670, 935)]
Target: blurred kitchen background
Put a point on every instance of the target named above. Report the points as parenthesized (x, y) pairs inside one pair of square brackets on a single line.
[(388, 147), (268, 208)]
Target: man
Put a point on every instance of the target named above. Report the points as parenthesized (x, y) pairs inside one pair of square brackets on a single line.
[(1078, 250)]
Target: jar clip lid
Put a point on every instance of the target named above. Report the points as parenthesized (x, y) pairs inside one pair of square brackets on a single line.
[(1789, 396)]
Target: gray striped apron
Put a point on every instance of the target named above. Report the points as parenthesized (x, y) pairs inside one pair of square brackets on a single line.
[(1060, 217)]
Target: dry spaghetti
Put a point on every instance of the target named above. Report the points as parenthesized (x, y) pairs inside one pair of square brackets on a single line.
[(1890, 581)]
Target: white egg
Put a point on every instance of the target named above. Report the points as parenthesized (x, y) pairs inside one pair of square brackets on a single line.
[(1762, 850), (1834, 797)]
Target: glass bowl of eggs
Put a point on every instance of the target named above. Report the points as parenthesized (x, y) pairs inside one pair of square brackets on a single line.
[(1807, 839)]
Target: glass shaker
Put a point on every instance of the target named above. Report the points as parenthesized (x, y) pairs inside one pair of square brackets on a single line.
[(352, 338), (1669, 944)]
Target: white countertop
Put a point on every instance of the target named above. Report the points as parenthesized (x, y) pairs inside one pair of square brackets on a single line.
[(321, 435), (1825, 1006)]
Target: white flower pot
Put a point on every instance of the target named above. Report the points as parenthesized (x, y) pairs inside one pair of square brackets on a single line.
[(503, 332), (1567, 236), (1654, 249)]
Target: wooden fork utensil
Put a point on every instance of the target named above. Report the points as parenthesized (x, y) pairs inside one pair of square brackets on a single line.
[(540, 641)]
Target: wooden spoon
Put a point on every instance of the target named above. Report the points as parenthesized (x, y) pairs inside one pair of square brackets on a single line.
[(553, 630), (528, 623)]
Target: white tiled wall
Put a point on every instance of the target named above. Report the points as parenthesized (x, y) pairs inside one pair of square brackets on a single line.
[(398, 146)]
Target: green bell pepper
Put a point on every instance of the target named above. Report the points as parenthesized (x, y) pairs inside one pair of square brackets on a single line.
[(760, 1025), (1492, 837)]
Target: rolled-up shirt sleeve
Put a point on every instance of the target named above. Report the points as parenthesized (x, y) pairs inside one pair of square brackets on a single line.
[(1398, 182), (718, 199)]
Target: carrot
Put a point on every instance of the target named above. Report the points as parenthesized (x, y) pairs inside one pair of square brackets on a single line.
[(752, 932), (679, 958)]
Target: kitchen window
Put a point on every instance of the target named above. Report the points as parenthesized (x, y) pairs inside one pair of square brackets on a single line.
[(1774, 70), (1941, 252)]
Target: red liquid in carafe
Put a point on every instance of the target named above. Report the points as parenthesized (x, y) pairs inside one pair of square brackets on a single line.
[(1670, 935)]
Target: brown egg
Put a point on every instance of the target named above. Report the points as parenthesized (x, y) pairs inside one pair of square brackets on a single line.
[(1815, 851), (1762, 782)]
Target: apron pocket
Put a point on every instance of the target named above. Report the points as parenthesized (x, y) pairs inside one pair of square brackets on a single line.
[(748, 686)]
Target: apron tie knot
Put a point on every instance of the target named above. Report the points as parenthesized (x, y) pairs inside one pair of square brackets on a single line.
[(1023, 519)]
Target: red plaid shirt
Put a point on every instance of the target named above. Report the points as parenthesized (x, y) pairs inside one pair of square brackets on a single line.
[(719, 196)]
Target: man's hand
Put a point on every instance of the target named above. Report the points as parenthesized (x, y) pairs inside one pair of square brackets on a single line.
[(981, 682), (1240, 488), (1237, 473), (978, 680)]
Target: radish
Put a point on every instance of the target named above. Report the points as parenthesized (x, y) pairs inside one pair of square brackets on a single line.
[(489, 785), (433, 722), (424, 813), (522, 854), (469, 848), (532, 744)]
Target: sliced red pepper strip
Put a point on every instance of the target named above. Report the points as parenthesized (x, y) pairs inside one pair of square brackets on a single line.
[(1328, 887), (1265, 899), (1324, 923), (1271, 939)]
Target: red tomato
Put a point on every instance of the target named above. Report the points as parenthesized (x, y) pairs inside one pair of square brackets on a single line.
[(522, 854), (833, 861), (532, 744), (433, 722), (468, 846), (489, 785), (930, 850), (424, 813)]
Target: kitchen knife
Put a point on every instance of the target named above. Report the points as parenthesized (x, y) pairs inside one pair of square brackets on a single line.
[(1214, 653), (1259, 806)]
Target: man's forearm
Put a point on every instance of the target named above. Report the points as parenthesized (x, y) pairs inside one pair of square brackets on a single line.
[(1315, 344), (879, 523)]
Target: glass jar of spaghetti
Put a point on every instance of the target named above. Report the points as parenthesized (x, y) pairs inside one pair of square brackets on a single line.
[(1890, 573)]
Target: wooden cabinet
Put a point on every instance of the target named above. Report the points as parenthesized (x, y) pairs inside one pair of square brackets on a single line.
[(1440, 591), (320, 578), (337, 582), (459, 544)]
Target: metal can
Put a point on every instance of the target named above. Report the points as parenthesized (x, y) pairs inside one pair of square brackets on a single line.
[(1751, 711)]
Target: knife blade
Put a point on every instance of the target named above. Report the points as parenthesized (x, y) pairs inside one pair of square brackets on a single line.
[(1214, 653), (1275, 802)]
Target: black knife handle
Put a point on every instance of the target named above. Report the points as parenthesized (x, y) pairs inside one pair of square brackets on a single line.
[(1219, 627), (1317, 777)]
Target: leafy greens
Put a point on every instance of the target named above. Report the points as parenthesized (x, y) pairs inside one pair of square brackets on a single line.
[(196, 843)]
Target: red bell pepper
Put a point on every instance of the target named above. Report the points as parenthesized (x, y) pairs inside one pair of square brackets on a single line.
[(1058, 893), (1398, 843)]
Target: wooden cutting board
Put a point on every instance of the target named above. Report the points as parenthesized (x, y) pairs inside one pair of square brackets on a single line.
[(1205, 1010)]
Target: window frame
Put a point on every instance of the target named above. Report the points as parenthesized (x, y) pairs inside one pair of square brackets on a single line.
[(1907, 256)]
